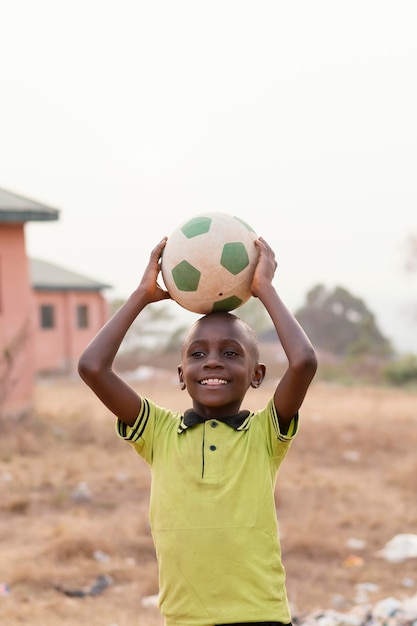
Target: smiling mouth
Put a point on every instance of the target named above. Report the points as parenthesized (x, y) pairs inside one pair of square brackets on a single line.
[(213, 382)]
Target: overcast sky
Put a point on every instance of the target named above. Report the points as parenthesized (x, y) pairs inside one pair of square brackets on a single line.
[(300, 117)]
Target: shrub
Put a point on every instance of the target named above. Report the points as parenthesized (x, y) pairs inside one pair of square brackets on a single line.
[(402, 371)]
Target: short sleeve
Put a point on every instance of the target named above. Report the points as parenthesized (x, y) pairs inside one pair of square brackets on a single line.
[(140, 434), (292, 428), (135, 432)]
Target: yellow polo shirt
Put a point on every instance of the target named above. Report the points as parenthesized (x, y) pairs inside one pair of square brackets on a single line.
[(212, 513)]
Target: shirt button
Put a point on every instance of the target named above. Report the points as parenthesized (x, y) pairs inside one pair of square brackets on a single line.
[(213, 448), (214, 424)]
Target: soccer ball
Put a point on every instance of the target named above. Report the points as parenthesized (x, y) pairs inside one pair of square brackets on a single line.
[(208, 263)]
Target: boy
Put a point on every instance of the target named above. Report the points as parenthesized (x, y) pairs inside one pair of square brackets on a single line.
[(213, 469)]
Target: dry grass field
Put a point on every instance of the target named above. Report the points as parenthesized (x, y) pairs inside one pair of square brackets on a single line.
[(74, 504)]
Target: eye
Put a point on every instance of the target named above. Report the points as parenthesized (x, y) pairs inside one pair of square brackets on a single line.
[(230, 353), (197, 354)]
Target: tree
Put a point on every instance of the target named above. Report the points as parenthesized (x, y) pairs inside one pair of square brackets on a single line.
[(8, 359), (340, 323), (254, 313), (151, 331)]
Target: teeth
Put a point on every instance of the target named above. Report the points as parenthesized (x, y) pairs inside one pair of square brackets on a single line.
[(214, 381)]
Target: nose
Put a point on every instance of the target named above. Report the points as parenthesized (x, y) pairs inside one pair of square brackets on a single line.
[(212, 360)]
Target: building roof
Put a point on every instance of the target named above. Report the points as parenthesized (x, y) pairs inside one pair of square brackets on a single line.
[(49, 277), (15, 208)]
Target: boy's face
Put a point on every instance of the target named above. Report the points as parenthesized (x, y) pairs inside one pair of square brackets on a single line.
[(219, 364)]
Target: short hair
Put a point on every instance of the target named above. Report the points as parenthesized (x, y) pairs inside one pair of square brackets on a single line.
[(249, 331)]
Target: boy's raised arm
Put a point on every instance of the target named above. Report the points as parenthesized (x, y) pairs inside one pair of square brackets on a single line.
[(96, 362), (302, 360)]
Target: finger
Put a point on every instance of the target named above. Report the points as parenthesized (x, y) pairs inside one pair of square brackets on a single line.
[(259, 243), (264, 243), (157, 251)]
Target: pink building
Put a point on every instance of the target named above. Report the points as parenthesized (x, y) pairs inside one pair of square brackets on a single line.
[(68, 311), (47, 314)]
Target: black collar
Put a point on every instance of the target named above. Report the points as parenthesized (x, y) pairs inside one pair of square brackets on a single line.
[(237, 422)]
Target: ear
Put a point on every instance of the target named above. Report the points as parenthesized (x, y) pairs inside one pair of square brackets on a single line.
[(258, 375), (181, 378)]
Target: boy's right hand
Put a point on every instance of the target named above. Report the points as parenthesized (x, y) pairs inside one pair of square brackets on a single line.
[(149, 284)]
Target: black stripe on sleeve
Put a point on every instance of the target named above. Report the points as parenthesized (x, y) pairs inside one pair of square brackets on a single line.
[(134, 432), (137, 431)]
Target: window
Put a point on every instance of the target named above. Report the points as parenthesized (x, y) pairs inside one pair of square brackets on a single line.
[(47, 316), (82, 316)]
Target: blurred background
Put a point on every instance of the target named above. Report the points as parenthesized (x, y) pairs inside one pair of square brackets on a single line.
[(130, 117)]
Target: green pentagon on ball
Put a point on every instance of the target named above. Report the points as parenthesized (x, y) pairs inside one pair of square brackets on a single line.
[(228, 304), (234, 257), (186, 276), (197, 226)]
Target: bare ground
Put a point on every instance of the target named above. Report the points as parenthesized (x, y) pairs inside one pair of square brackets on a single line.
[(351, 475)]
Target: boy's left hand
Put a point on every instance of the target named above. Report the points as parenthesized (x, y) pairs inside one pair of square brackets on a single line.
[(265, 268)]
